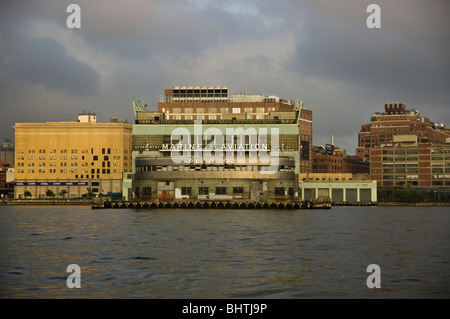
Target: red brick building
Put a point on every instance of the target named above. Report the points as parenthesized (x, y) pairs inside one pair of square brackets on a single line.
[(396, 120), (335, 160), (409, 163)]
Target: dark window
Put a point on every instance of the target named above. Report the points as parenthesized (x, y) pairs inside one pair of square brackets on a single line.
[(221, 190), (166, 139), (106, 158), (203, 191), (186, 190), (103, 151), (95, 158), (279, 190), (238, 190)]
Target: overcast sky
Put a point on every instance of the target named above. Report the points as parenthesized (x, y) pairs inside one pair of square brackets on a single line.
[(320, 52)]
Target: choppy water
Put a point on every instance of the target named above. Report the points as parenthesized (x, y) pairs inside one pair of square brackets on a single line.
[(163, 253)]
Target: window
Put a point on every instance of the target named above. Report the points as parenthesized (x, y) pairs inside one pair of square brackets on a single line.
[(203, 191), (186, 190), (221, 190), (238, 190), (279, 190)]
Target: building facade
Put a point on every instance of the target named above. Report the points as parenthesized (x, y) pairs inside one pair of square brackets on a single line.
[(7, 152), (339, 187), (331, 159), (232, 158), (397, 120), (216, 103), (409, 163), (67, 158)]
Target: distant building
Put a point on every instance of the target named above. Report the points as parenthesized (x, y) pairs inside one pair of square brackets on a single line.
[(397, 120), (6, 179), (71, 156), (331, 159), (408, 162), (7, 152)]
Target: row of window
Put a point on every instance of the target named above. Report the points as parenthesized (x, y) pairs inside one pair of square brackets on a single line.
[(401, 151), (187, 191), (168, 168), (73, 151), (414, 183), (72, 171)]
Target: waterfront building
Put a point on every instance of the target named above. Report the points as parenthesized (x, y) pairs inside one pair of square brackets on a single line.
[(397, 120), (340, 187), (217, 103), (68, 158), (409, 162), (231, 158), (6, 179)]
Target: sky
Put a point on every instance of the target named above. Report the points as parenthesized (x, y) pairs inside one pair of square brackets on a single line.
[(316, 51)]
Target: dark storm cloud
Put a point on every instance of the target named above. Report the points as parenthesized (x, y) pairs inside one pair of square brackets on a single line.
[(410, 58), (27, 58), (46, 61)]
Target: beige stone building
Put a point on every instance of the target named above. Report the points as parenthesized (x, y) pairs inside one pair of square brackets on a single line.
[(67, 158)]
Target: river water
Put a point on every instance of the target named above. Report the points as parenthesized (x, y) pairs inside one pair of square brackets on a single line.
[(190, 253)]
